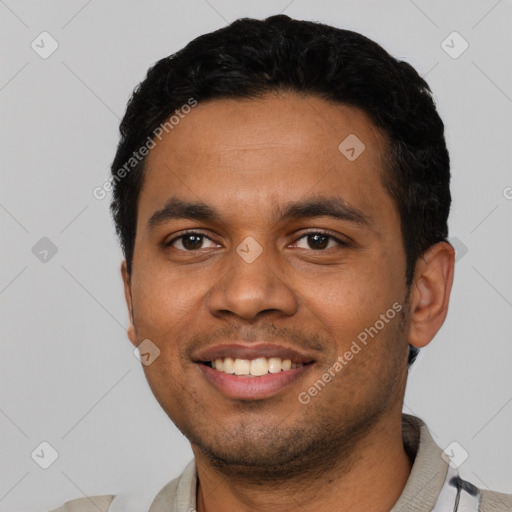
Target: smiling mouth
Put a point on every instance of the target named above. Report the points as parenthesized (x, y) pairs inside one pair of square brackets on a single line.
[(253, 367)]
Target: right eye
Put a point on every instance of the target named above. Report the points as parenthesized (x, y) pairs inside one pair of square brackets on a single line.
[(190, 241)]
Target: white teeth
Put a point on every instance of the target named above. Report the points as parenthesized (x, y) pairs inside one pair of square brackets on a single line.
[(242, 366), (259, 366), (228, 365), (255, 367), (274, 365)]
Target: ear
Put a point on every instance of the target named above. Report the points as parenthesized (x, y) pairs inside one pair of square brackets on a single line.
[(430, 293), (128, 297)]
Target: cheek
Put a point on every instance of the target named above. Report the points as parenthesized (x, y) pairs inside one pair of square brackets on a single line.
[(351, 300), (164, 302)]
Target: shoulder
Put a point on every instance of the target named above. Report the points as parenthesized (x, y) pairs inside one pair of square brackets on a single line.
[(178, 494), (87, 504), (434, 482), (492, 501)]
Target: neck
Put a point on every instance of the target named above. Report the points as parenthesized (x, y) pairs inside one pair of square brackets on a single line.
[(378, 462)]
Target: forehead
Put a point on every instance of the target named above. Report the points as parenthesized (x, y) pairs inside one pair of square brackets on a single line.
[(263, 152)]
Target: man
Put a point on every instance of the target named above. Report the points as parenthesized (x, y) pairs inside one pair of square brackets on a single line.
[(281, 193)]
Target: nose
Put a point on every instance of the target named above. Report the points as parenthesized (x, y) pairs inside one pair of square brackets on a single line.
[(248, 290)]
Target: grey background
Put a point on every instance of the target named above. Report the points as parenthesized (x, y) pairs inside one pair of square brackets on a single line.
[(69, 376)]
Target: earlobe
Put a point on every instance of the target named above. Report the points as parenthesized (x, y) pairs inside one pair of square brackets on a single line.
[(128, 297), (430, 293)]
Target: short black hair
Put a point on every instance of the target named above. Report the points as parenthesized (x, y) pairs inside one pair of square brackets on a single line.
[(250, 58)]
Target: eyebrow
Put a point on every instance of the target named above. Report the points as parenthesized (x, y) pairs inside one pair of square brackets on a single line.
[(334, 207)]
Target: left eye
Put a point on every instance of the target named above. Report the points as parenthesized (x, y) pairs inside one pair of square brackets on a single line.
[(190, 242), (319, 241)]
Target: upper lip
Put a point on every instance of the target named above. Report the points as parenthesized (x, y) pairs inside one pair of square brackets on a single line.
[(253, 351)]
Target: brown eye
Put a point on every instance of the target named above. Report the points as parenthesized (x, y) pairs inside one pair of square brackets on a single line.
[(191, 242), (319, 241)]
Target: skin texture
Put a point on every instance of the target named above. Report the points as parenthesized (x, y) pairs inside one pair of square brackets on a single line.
[(245, 159)]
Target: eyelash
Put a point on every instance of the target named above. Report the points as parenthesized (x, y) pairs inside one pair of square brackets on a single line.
[(199, 233)]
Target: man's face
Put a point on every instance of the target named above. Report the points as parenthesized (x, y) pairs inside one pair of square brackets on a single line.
[(253, 165)]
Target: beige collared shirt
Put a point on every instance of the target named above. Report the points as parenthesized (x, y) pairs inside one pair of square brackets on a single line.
[(433, 486)]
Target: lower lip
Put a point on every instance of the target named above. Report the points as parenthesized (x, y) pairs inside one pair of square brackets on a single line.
[(252, 388)]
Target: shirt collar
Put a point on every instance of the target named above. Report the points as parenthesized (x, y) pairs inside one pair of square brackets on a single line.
[(420, 492)]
